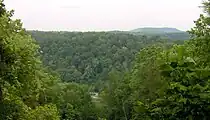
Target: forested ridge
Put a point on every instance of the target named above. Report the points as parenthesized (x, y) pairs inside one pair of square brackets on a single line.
[(46, 75), (164, 33), (87, 57)]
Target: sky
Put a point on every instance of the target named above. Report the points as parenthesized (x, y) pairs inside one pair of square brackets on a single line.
[(104, 15)]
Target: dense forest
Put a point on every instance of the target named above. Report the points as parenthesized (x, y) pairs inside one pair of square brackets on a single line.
[(53, 75), (88, 57)]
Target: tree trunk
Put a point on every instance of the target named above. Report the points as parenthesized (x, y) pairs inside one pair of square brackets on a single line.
[(1, 95), (124, 111)]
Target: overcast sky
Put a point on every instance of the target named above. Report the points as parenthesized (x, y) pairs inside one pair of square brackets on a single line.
[(100, 15)]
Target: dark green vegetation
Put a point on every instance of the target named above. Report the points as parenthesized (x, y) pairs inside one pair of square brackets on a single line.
[(164, 81), (90, 56)]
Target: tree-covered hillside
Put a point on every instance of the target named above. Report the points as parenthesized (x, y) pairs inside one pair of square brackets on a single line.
[(89, 56)]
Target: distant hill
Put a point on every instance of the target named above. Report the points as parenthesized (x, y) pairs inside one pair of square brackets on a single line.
[(165, 33), (150, 30)]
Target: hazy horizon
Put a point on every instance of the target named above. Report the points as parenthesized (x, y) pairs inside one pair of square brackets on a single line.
[(104, 15)]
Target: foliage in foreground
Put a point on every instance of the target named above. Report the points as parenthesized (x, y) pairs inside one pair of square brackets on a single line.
[(166, 82)]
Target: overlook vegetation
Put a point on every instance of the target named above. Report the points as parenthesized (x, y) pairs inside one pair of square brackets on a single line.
[(51, 75)]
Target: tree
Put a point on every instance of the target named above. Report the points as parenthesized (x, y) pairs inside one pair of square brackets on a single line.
[(200, 38), (187, 74), (21, 73), (72, 100), (186, 95)]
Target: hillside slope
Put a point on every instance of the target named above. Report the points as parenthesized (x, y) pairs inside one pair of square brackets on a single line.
[(89, 56)]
